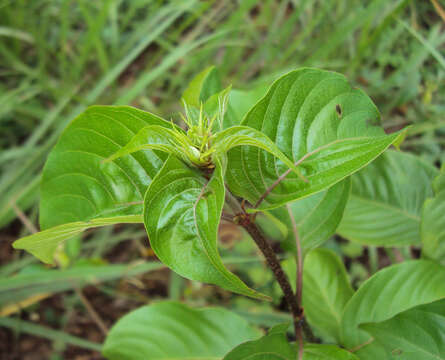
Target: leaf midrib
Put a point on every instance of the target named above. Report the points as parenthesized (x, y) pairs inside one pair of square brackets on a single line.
[(337, 316)]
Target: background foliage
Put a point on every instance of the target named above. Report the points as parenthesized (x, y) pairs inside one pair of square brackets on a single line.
[(58, 56)]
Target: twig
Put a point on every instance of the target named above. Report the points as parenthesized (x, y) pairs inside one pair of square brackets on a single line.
[(308, 331), (439, 9), (247, 222), (24, 219), (244, 219), (90, 309), (274, 264), (299, 336)]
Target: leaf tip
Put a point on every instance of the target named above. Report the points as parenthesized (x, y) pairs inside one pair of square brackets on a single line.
[(401, 138), (264, 297), (21, 244), (16, 245)]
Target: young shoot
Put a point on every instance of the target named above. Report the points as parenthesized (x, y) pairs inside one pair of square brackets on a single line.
[(200, 128)]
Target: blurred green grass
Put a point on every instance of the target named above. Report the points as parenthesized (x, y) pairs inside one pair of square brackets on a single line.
[(59, 56)]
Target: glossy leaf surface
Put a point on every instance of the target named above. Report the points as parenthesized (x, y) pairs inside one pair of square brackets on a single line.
[(318, 121), (156, 138), (415, 334), (432, 224), (182, 211), (169, 330), (386, 201), (244, 135), (389, 292), (77, 186), (326, 290), (317, 216), (273, 346), (176, 143)]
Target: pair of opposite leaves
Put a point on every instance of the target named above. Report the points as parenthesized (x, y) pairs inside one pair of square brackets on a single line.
[(308, 117)]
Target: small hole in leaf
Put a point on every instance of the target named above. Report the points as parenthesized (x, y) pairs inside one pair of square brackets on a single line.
[(338, 109)]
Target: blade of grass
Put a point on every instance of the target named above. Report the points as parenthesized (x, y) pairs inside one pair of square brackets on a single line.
[(146, 78), (432, 50), (42, 331)]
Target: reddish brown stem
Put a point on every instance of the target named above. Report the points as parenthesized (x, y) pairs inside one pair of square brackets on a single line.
[(274, 265), (299, 284), (299, 287), (247, 222)]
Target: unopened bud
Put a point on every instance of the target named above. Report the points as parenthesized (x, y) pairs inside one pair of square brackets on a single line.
[(196, 153)]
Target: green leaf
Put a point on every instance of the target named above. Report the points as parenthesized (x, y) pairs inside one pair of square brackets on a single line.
[(240, 102), (177, 143), (389, 292), (418, 333), (203, 86), (182, 211), (317, 216), (432, 223), (386, 201), (77, 186), (243, 135), (44, 243), (326, 290), (170, 330), (326, 352), (273, 346), (318, 121), (156, 138)]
